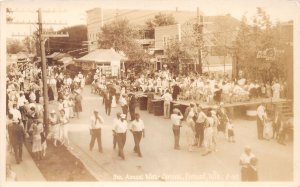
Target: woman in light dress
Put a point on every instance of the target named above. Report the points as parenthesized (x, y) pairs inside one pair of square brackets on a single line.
[(189, 128), (208, 134), (54, 127), (216, 123), (64, 128), (268, 128), (37, 148)]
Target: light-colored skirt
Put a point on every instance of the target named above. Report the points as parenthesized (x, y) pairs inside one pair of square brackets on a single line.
[(36, 143), (113, 102), (64, 130), (268, 130), (54, 132), (208, 136)]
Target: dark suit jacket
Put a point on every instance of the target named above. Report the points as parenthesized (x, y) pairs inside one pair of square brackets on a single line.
[(251, 174), (17, 134), (176, 90), (108, 97), (132, 101)]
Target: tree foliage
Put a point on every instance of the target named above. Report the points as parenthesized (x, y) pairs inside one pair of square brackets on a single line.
[(159, 20), (257, 36), (30, 44), (121, 36), (14, 46)]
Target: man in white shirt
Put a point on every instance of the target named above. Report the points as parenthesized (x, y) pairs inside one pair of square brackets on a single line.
[(199, 126), (176, 118), (167, 97), (120, 128), (80, 76), (260, 120), (95, 130), (138, 130), (16, 113), (21, 100)]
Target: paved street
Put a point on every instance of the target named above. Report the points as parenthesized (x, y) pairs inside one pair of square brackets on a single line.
[(161, 162)]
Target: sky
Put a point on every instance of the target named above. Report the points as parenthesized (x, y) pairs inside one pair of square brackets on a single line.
[(73, 12)]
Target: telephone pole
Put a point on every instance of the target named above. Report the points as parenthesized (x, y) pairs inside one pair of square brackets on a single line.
[(44, 68), (42, 38), (200, 32)]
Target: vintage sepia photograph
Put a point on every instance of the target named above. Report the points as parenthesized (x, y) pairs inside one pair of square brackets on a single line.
[(148, 90)]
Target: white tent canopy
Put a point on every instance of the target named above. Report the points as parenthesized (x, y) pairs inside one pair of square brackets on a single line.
[(105, 57), (102, 55)]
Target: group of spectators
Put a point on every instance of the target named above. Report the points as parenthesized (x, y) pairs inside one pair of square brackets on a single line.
[(25, 112), (211, 88)]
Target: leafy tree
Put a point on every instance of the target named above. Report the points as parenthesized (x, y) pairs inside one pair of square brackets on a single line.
[(30, 44), (262, 34), (14, 46), (120, 35), (179, 55), (159, 20)]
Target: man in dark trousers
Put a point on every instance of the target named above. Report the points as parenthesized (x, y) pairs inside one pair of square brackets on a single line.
[(199, 126), (138, 131), (120, 128), (95, 130), (260, 120), (251, 171), (17, 140), (131, 105), (116, 120), (176, 91), (107, 101)]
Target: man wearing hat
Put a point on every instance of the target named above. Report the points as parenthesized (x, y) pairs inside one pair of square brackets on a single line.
[(167, 97), (77, 103), (116, 120), (131, 105), (95, 130), (107, 96), (176, 118), (138, 131), (199, 127), (120, 128)]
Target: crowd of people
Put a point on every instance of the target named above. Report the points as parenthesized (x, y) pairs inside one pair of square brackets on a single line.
[(25, 110), (24, 107), (210, 88)]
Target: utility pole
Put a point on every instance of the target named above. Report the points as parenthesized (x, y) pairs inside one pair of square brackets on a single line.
[(44, 68), (200, 32), (42, 37)]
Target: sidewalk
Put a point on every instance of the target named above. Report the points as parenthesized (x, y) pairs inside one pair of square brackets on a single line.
[(27, 169)]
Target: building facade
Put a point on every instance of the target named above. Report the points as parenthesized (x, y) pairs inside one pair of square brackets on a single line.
[(94, 24)]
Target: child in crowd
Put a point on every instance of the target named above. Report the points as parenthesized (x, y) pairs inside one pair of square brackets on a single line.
[(230, 131), (44, 143)]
